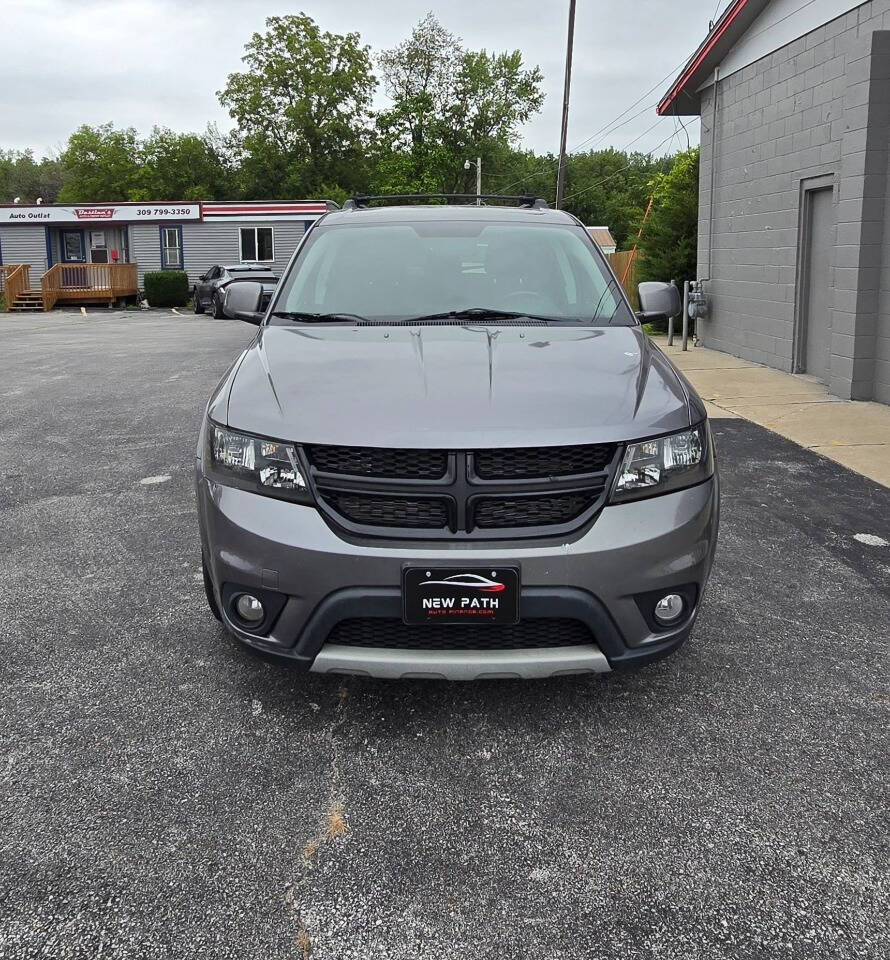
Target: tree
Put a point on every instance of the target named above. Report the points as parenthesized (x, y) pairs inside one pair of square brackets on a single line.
[(448, 105), (302, 108), (23, 176), (100, 163), (611, 188), (181, 166), (670, 238)]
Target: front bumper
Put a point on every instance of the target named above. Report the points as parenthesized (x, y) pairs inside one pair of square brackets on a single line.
[(630, 549)]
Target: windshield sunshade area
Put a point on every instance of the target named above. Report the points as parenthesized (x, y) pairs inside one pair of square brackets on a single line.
[(401, 271)]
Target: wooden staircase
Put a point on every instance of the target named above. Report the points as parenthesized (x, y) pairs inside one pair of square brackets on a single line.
[(28, 301), (67, 282), (15, 284)]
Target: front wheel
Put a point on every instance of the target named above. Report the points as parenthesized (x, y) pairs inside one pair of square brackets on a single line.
[(217, 308), (199, 307)]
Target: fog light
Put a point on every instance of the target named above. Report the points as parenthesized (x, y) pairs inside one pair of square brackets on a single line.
[(669, 608), (249, 608)]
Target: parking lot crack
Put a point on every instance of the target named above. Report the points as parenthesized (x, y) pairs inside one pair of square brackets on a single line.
[(332, 823)]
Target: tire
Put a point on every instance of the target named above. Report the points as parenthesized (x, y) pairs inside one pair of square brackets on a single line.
[(217, 308), (208, 590), (199, 307)]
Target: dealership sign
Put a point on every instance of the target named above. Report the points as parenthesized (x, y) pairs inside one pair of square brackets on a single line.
[(104, 212)]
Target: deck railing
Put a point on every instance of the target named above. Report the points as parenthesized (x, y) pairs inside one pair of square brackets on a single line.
[(88, 281), (50, 285), (14, 281)]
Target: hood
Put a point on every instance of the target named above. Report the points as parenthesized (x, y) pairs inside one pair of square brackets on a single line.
[(455, 386)]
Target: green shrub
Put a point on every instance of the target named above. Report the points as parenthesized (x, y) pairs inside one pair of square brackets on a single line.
[(167, 288)]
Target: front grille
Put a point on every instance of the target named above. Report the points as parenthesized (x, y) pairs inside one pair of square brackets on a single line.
[(382, 511), (379, 462), (454, 494), (394, 634), (526, 462), (492, 513)]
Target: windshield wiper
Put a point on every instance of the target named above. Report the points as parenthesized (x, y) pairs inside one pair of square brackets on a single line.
[(480, 313), (304, 316)]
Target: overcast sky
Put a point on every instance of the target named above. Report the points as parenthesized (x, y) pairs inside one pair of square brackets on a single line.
[(144, 62)]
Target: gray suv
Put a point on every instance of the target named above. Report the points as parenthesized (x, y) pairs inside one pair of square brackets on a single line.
[(451, 451)]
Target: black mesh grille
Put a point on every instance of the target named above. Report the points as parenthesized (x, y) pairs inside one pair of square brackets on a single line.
[(379, 462), (530, 462), (455, 493), (493, 512), (393, 634), (411, 512)]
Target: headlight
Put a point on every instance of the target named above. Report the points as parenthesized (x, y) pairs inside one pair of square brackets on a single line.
[(254, 463), (663, 464)]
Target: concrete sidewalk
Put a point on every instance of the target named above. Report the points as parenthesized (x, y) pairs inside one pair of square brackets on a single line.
[(853, 433)]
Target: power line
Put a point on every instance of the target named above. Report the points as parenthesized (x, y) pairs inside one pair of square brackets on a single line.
[(683, 125), (652, 89), (606, 129), (612, 176), (549, 163), (611, 126)]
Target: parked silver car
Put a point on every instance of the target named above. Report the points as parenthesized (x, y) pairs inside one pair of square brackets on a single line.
[(451, 451), (209, 293)]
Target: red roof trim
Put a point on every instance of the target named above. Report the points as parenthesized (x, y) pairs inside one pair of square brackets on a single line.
[(223, 209), (697, 59)]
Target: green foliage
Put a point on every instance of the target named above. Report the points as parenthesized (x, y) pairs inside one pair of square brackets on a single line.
[(302, 108), (23, 176), (181, 166), (167, 288), (613, 189), (448, 105), (669, 240), (100, 163)]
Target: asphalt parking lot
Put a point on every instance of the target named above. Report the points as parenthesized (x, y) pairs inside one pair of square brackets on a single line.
[(163, 793)]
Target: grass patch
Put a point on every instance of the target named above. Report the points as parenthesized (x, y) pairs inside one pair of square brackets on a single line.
[(337, 824)]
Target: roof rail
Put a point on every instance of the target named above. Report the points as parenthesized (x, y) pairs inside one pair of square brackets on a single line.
[(361, 201)]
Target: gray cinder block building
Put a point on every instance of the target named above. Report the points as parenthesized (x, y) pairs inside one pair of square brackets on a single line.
[(794, 212)]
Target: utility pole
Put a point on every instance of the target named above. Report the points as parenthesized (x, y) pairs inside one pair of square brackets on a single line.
[(478, 165), (561, 170)]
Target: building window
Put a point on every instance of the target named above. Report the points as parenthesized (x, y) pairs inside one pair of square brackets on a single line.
[(171, 248), (72, 246), (257, 245)]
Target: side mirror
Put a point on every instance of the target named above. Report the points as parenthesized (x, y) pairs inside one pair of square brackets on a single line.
[(658, 301), (243, 301)]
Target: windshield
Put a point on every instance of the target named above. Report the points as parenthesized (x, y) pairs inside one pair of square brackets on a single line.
[(399, 271)]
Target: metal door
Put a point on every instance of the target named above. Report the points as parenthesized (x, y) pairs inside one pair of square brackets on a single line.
[(817, 288)]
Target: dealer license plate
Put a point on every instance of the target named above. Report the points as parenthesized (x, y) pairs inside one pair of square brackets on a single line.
[(476, 595)]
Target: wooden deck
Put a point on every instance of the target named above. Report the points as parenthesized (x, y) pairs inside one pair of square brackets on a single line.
[(88, 283), (67, 282)]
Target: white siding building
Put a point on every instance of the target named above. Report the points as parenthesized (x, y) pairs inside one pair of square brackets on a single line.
[(155, 236)]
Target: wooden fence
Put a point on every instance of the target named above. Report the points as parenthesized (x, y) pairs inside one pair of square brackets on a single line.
[(620, 262)]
